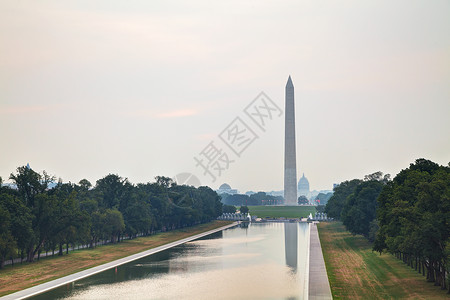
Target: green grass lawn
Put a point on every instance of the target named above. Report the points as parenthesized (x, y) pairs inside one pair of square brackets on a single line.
[(355, 272), (282, 211)]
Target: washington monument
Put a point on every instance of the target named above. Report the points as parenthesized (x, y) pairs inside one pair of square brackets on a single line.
[(290, 165)]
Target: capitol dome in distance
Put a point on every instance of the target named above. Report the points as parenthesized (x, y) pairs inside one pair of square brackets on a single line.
[(226, 189), (303, 186)]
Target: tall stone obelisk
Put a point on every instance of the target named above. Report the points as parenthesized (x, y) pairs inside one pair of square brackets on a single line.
[(290, 165)]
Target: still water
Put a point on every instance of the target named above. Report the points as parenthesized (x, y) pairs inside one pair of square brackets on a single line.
[(260, 261)]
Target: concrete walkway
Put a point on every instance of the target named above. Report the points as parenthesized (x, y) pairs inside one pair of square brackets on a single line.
[(80, 275), (318, 286)]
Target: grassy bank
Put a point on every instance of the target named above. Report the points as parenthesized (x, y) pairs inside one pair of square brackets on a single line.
[(19, 277), (355, 272), (282, 211)]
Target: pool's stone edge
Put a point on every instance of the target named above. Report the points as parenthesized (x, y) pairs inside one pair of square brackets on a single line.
[(318, 284)]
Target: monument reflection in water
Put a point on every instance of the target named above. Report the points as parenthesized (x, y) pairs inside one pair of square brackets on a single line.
[(291, 245), (262, 261)]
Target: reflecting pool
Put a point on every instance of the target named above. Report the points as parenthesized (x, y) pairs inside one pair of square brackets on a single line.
[(259, 261)]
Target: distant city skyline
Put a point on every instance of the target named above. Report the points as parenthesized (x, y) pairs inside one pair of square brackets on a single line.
[(141, 89)]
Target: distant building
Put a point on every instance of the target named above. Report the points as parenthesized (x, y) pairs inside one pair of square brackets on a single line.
[(303, 186), (226, 189)]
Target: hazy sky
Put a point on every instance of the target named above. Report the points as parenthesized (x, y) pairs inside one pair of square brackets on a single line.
[(140, 88)]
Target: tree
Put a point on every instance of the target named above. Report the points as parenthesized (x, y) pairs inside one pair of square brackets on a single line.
[(70, 222), (20, 219), (114, 224), (209, 205), (244, 209), (137, 218), (111, 189), (378, 176), (85, 184), (303, 200), (43, 223), (360, 207), (223, 197), (7, 242), (97, 231), (34, 217), (413, 215), (320, 208), (337, 201), (228, 209), (29, 184), (236, 200), (164, 181), (32, 188), (323, 198)]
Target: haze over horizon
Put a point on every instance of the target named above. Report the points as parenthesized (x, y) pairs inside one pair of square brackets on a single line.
[(140, 88)]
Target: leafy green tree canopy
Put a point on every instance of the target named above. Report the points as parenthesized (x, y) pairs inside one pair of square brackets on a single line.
[(244, 209), (229, 209)]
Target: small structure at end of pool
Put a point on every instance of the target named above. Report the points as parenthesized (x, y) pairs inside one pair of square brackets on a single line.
[(237, 217)]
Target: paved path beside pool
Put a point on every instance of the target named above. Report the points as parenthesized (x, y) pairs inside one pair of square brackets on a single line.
[(318, 287), (38, 289)]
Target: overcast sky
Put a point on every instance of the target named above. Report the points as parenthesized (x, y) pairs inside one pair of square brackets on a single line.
[(141, 88)]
